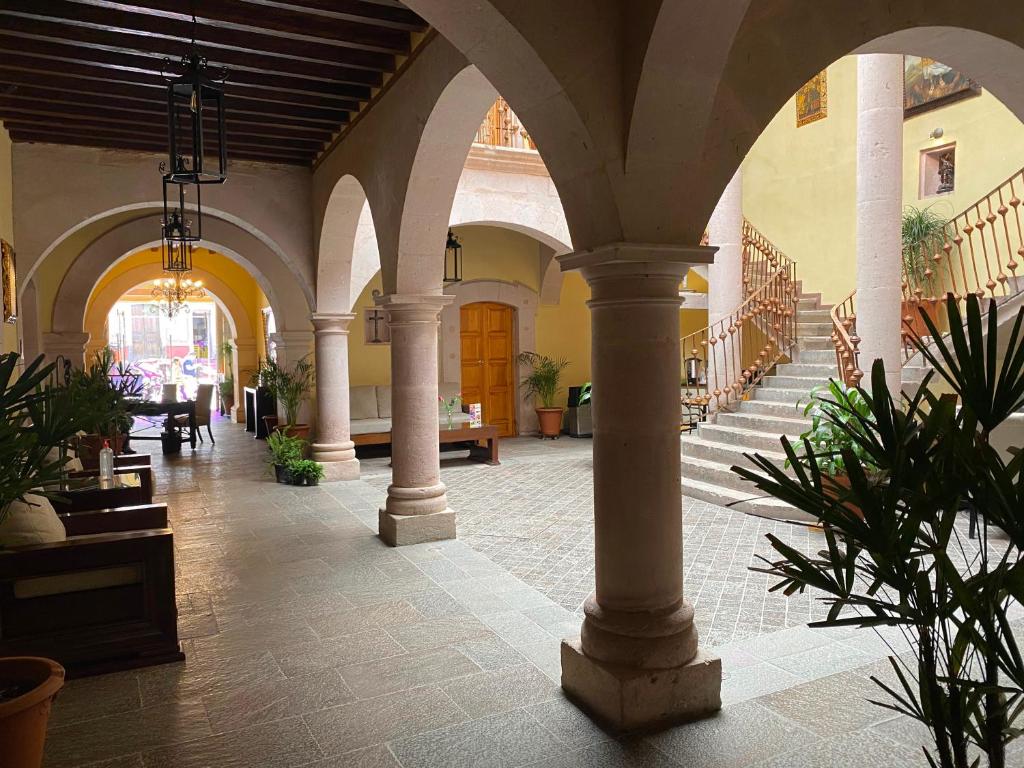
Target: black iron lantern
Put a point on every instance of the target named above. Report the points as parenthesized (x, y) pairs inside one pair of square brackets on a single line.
[(693, 367), (176, 255), (178, 224), (452, 259), (195, 124)]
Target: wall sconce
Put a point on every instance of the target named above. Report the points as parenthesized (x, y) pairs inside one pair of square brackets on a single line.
[(936, 134)]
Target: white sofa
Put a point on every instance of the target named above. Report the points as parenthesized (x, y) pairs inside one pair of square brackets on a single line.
[(370, 408)]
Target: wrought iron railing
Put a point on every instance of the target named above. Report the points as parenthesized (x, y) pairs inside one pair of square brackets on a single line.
[(501, 128), (723, 361), (978, 252)]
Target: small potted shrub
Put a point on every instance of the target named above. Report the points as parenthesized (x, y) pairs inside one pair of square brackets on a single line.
[(923, 235), (227, 396), (104, 393), (292, 388), (305, 472), (543, 383), (284, 450)]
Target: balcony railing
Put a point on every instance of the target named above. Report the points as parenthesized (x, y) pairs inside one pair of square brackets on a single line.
[(501, 128)]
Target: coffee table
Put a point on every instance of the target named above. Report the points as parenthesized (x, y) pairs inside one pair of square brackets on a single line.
[(488, 454)]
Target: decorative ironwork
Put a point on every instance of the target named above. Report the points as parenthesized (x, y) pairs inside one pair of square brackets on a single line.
[(846, 341), (452, 259), (191, 97), (501, 128), (172, 294), (733, 354)]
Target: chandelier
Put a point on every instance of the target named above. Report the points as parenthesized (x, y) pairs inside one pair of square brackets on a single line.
[(172, 294)]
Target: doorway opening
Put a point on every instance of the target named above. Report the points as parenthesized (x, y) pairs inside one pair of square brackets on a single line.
[(488, 351)]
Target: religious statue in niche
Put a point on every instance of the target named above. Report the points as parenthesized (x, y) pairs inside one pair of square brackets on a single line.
[(928, 84), (947, 170), (10, 283), (812, 100)]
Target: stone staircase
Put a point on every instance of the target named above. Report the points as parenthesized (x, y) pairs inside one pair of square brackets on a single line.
[(775, 408)]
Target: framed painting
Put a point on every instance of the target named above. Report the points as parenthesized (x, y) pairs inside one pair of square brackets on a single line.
[(10, 283), (812, 100), (928, 84)]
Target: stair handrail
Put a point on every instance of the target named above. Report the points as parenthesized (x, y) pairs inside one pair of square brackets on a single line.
[(734, 353), (971, 254)]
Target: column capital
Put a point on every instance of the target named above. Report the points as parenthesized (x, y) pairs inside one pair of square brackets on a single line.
[(631, 259), (292, 338), (414, 301), (331, 322)]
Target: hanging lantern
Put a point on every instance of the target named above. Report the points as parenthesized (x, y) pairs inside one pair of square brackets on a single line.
[(452, 259), (195, 124)]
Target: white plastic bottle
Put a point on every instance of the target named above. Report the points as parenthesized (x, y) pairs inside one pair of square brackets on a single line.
[(106, 464)]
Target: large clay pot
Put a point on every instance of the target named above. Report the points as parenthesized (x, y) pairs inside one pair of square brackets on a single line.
[(917, 325), (843, 481), (89, 447), (550, 422), (300, 431), (23, 717)]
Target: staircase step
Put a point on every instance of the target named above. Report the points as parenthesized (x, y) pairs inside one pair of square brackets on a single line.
[(817, 356), (804, 383), (715, 473), (725, 453), (743, 437), (747, 501), (810, 342), (770, 408), (812, 329), (776, 425), (813, 316), (806, 369), (781, 394)]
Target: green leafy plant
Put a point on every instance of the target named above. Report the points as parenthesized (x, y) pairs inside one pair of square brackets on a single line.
[(305, 471), (905, 561), (920, 226), (265, 375), (106, 394), (35, 418), (227, 388), (585, 394), (284, 449), (836, 412), (292, 388), (544, 378)]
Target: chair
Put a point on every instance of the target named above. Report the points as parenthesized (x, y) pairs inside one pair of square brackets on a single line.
[(169, 393), (204, 396)]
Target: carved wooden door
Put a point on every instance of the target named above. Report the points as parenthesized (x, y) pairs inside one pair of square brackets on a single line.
[(488, 366)]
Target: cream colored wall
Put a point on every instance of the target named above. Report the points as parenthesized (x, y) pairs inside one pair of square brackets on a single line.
[(10, 332), (799, 184)]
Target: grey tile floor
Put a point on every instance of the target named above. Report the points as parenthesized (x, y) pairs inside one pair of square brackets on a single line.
[(310, 643)]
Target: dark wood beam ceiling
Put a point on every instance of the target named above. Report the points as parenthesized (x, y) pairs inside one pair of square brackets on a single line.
[(91, 72)]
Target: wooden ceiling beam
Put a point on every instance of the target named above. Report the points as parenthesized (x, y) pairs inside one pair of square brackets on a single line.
[(72, 14), (155, 96), (90, 38), (391, 15), (278, 20)]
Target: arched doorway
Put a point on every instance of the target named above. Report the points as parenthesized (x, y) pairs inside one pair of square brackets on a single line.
[(487, 335)]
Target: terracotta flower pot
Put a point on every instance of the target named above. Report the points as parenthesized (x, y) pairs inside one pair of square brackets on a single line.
[(550, 422), (300, 431), (843, 481), (35, 683)]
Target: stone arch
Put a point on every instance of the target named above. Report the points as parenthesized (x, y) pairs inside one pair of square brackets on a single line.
[(433, 180), (286, 298), (347, 239), (516, 295)]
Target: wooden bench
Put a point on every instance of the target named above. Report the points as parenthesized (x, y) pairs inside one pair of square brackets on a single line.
[(487, 434), (100, 601), (87, 498)]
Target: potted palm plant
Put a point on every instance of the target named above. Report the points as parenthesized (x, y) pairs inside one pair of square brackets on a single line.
[(105, 394), (906, 563), (227, 395), (923, 235), (292, 388), (543, 383)]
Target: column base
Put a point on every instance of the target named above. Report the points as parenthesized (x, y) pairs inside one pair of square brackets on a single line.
[(338, 459), (629, 700), (402, 530)]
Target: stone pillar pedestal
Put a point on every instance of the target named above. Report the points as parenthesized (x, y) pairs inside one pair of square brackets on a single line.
[(67, 344), (417, 505), (879, 211), (333, 446), (636, 664)]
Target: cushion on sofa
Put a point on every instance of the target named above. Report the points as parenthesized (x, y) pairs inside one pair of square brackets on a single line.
[(368, 426), (384, 401), (362, 402), (31, 522)]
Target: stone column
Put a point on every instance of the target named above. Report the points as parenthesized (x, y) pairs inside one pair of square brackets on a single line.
[(243, 365), (333, 446), (636, 663), (67, 344), (417, 505), (879, 211), (292, 346), (725, 277)]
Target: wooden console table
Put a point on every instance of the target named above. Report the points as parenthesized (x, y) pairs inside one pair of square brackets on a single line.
[(487, 434)]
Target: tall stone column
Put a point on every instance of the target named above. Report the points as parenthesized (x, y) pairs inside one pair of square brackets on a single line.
[(333, 446), (292, 346), (879, 210), (244, 365), (636, 663), (725, 277), (417, 505)]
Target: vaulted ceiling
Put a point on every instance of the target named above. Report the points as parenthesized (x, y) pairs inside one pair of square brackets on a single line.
[(90, 72)]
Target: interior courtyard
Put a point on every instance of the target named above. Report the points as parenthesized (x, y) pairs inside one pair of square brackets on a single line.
[(445, 353)]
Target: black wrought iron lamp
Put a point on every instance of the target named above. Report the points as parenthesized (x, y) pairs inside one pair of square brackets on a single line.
[(195, 123), (452, 259)]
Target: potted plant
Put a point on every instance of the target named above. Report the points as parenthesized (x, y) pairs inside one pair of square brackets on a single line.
[(266, 376), (923, 235), (292, 388), (227, 395), (449, 406), (28, 686), (305, 472), (543, 383), (905, 564), (284, 449), (104, 394)]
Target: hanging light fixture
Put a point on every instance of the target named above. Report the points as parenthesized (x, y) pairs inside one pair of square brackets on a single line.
[(177, 234), (452, 259), (172, 294)]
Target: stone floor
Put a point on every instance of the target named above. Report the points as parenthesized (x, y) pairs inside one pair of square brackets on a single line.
[(310, 643)]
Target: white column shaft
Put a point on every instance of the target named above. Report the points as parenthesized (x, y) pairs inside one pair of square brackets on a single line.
[(333, 446)]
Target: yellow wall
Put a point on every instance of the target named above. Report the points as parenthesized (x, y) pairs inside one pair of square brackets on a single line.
[(800, 184), (563, 329), (10, 332)]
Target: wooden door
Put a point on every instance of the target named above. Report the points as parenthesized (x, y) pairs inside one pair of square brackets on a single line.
[(488, 365)]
